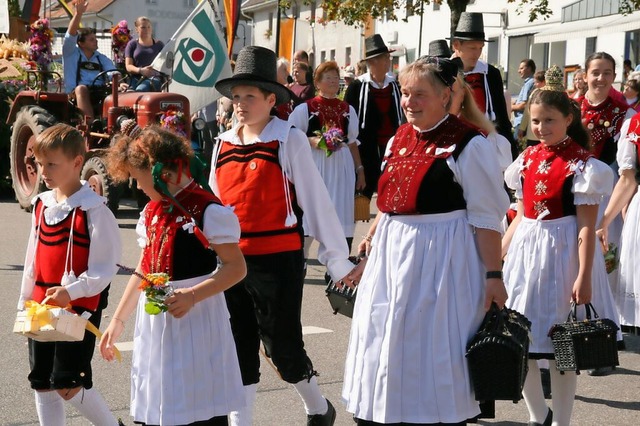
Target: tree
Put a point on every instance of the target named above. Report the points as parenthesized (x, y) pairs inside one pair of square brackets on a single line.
[(359, 12)]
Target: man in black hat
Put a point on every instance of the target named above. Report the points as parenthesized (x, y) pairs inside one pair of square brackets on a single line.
[(484, 79), (263, 168), (376, 98)]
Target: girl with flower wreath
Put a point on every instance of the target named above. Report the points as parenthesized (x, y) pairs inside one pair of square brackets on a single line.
[(184, 368), (550, 244), (341, 170), (139, 54)]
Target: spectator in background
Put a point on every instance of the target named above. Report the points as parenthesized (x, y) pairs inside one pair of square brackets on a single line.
[(526, 70), (484, 79), (349, 75), (579, 84), (524, 130), (630, 92), (303, 56), (82, 63), (627, 68), (300, 87), (283, 110), (361, 68), (139, 54)]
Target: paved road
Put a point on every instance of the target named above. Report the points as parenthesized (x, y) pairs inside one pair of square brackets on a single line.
[(611, 400)]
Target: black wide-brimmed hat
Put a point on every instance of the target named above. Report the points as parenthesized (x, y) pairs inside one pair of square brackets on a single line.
[(470, 27), (374, 46), (255, 66), (439, 48)]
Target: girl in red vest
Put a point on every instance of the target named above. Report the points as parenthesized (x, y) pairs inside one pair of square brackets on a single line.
[(184, 367), (71, 258), (550, 259)]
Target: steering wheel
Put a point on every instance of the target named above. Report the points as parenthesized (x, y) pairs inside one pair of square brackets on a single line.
[(125, 76)]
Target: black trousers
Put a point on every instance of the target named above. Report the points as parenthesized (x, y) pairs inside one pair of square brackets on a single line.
[(266, 306)]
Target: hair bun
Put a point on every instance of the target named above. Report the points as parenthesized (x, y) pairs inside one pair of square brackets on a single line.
[(130, 128)]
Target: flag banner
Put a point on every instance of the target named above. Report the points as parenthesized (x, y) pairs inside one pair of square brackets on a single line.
[(195, 57), (232, 14)]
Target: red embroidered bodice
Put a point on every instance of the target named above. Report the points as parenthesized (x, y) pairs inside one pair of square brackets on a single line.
[(250, 180), (51, 253), (604, 122), (547, 179), (327, 112), (172, 246), (406, 186)]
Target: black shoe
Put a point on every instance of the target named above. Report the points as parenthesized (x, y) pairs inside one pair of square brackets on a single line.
[(326, 419), (547, 421), (545, 376), (602, 371)]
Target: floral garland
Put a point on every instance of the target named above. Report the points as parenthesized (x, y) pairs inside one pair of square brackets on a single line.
[(174, 120), (120, 37), (40, 43)]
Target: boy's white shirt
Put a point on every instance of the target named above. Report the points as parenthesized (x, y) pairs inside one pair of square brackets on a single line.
[(311, 193), (105, 247)]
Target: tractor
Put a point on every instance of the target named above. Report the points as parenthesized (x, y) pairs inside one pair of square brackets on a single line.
[(36, 109)]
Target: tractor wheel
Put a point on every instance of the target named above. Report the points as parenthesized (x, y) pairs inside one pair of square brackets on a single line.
[(30, 121), (94, 172)]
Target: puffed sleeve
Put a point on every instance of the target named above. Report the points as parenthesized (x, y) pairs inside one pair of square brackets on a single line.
[(592, 182), (105, 250), (627, 151), (221, 225), (299, 117), (512, 176), (353, 130), (503, 149), (478, 172)]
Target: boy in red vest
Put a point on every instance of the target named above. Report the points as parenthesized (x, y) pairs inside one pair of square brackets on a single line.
[(263, 168), (71, 258)]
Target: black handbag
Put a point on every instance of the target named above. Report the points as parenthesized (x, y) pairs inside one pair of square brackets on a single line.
[(586, 344), (342, 299), (497, 355)]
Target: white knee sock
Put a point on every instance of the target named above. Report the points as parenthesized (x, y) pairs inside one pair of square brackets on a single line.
[(50, 408), (244, 417), (563, 392), (533, 395), (309, 391), (93, 407)]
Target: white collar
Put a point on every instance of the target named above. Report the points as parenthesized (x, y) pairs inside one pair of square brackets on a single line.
[(436, 125), (480, 68), (366, 78), (276, 129), (55, 212)]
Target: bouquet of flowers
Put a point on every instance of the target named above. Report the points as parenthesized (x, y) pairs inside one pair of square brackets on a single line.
[(331, 139), (173, 119), (611, 258), (120, 36), (156, 288), (40, 43)]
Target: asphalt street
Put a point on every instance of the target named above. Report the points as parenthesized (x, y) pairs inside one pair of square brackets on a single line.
[(609, 400)]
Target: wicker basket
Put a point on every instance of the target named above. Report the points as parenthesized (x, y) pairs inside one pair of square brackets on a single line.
[(586, 344), (498, 354), (362, 208)]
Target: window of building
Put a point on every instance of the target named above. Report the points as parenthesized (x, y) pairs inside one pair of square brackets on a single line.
[(332, 55), (591, 46), (323, 56), (347, 55), (152, 1)]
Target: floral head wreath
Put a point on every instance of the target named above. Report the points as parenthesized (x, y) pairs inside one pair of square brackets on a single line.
[(554, 79)]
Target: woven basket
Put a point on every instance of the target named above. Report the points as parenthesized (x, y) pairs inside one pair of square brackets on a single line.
[(362, 208), (586, 344), (497, 356)]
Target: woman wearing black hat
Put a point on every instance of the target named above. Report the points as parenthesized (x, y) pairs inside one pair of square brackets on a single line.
[(434, 263)]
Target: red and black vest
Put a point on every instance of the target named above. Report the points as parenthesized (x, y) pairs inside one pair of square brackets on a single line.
[(172, 247), (477, 86), (416, 178), (251, 180), (51, 253), (604, 122), (327, 113), (547, 179)]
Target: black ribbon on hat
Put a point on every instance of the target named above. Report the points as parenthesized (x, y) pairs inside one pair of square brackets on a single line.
[(445, 69)]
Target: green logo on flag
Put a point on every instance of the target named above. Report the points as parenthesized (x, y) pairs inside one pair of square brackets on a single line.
[(194, 66)]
